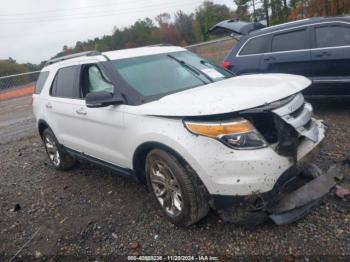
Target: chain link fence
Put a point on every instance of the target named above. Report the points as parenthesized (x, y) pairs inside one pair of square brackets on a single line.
[(18, 80)]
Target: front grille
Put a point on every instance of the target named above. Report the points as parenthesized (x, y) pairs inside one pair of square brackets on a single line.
[(298, 114), (293, 110), (286, 122)]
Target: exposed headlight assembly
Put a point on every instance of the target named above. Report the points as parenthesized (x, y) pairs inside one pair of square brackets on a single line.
[(237, 134)]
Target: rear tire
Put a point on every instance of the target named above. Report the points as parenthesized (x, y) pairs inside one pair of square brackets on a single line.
[(176, 187), (58, 157)]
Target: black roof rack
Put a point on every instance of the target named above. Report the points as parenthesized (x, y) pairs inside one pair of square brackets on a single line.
[(62, 58)]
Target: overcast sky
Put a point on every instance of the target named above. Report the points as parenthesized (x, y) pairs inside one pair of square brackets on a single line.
[(35, 30)]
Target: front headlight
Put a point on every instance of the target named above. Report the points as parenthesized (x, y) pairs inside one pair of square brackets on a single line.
[(238, 134)]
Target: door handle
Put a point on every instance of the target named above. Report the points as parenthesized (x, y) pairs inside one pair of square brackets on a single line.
[(272, 58), (81, 111), (48, 105), (325, 53)]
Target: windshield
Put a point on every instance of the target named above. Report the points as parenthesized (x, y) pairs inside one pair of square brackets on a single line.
[(162, 74)]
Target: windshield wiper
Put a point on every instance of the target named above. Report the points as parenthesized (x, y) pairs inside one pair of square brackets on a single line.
[(192, 68)]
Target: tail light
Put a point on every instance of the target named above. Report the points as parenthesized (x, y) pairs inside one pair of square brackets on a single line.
[(226, 64)]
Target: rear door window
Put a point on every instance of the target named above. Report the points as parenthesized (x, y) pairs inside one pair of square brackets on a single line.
[(65, 83), (41, 82), (254, 46), (334, 35), (290, 41)]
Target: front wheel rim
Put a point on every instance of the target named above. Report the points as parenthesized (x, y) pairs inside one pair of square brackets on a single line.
[(52, 150), (166, 188)]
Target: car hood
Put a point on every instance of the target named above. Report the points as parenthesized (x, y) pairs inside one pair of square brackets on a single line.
[(230, 95)]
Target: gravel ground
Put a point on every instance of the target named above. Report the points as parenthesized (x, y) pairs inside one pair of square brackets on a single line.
[(90, 212)]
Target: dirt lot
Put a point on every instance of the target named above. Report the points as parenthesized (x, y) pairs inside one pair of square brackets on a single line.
[(92, 212), (16, 119)]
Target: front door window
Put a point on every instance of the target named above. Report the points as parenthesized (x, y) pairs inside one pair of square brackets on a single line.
[(95, 80)]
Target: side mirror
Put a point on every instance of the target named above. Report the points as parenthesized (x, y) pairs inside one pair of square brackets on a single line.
[(102, 99)]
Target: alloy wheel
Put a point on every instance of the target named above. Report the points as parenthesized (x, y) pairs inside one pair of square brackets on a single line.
[(166, 188), (52, 150)]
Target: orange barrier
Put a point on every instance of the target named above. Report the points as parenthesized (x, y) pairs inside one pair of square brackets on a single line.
[(22, 91)]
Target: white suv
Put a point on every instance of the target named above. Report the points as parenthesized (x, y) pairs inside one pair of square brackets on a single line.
[(195, 134)]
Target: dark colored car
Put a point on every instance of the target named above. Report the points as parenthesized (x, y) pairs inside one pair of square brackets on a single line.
[(318, 48)]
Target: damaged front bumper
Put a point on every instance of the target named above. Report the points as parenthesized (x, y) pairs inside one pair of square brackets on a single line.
[(292, 197), (295, 205), (294, 135)]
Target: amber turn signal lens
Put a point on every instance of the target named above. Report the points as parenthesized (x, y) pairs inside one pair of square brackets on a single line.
[(220, 129)]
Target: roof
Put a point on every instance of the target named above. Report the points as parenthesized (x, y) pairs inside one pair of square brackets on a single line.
[(302, 22), (112, 55), (141, 51)]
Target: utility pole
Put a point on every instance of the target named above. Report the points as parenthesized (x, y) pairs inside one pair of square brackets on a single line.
[(254, 14), (302, 10), (266, 8)]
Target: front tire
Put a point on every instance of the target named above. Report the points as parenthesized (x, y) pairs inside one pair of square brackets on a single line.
[(176, 188), (58, 157)]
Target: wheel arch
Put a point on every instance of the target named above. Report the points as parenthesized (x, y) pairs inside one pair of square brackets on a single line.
[(140, 154), (42, 125)]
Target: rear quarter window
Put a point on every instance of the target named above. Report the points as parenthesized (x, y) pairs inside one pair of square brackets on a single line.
[(289, 41), (65, 83), (40, 82), (334, 35), (254, 46)]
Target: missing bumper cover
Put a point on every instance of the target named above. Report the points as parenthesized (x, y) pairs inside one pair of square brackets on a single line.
[(283, 208), (298, 203)]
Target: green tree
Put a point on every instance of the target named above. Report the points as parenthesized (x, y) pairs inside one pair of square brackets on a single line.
[(184, 26), (10, 67), (206, 16), (242, 10), (167, 32)]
